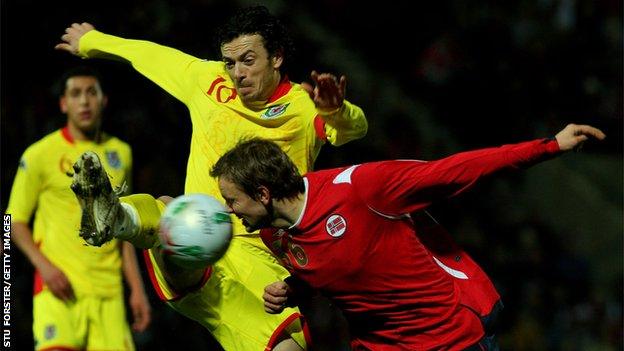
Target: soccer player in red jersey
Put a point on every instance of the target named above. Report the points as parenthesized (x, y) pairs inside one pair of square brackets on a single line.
[(347, 233)]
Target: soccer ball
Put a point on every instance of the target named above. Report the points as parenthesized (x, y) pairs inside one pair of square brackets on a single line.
[(195, 230)]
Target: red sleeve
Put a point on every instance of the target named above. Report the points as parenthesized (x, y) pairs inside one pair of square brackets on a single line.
[(399, 187)]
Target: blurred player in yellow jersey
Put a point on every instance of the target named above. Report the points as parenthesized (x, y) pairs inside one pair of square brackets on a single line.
[(78, 295), (247, 93)]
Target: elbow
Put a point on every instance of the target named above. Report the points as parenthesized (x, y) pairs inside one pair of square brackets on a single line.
[(362, 130), (358, 130)]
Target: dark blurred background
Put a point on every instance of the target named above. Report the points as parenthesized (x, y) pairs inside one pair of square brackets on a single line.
[(434, 78)]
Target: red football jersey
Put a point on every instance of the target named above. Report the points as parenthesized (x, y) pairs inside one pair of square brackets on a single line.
[(477, 291), (356, 243)]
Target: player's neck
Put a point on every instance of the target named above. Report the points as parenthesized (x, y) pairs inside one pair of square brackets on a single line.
[(81, 135), (288, 211)]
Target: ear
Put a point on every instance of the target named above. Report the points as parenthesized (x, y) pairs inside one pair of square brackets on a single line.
[(263, 195), (278, 59), (104, 101), (63, 104)]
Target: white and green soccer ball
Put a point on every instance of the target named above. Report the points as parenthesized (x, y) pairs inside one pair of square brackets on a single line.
[(195, 230)]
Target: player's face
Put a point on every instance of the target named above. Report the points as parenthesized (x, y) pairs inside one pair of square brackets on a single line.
[(83, 102), (254, 73), (253, 212)]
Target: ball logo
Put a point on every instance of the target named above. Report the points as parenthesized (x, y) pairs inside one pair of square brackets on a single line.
[(179, 207), (335, 225), (221, 217)]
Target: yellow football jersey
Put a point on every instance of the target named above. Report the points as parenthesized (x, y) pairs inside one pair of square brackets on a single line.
[(41, 186), (229, 303), (219, 118)]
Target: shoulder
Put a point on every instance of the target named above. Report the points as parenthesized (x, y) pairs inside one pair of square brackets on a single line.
[(365, 173), (298, 101), (113, 141), (333, 176), (39, 151), (43, 145), (214, 67), (115, 144), (213, 64), (297, 92), (347, 174)]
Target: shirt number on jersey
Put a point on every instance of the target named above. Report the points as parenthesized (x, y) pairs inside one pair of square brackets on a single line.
[(288, 252), (220, 91)]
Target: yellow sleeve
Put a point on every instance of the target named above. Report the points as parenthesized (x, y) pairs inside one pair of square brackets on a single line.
[(129, 170), (346, 124), (26, 187), (169, 68)]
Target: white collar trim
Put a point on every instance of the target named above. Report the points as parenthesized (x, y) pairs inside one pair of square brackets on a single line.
[(305, 204)]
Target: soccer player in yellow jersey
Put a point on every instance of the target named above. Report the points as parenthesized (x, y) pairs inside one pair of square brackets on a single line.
[(247, 93), (78, 294)]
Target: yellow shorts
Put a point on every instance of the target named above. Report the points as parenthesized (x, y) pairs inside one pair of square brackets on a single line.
[(89, 323), (229, 301)]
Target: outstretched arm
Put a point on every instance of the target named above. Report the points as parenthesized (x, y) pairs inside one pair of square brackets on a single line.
[(343, 121), (398, 187), (169, 68)]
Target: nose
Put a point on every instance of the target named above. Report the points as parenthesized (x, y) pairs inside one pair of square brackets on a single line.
[(83, 99), (239, 71)]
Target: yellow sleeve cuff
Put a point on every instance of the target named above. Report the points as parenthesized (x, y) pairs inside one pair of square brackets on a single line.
[(345, 124)]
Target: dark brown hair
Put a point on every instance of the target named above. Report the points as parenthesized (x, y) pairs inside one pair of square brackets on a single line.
[(258, 162), (78, 71), (258, 20)]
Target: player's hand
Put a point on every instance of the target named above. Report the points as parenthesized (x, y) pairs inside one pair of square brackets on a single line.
[(275, 297), (57, 282), (71, 38), (141, 311), (573, 136), (328, 93)]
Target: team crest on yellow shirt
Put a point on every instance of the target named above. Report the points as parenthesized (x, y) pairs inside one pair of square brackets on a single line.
[(112, 157), (65, 164), (274, 111)]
